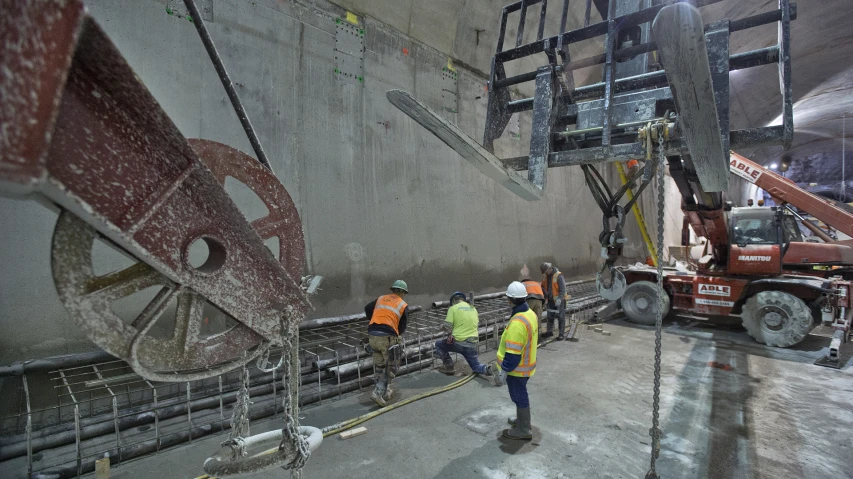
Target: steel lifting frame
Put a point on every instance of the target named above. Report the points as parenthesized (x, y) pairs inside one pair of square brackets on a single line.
[(631, 94)]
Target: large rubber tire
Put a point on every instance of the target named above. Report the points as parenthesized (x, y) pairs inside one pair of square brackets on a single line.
[(776, 318), (640, 303)]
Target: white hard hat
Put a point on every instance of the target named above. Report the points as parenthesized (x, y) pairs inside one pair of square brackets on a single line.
[(516, 290)]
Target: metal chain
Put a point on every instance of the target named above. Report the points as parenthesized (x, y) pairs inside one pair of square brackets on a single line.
[(291, 437), (655, 432), (264, 359), (240, 417)]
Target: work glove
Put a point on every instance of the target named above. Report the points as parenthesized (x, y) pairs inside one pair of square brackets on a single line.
[(500, 378), (558, 302), (449, 339)]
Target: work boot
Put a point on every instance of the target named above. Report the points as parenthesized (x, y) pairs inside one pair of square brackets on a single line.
[(485, 372), (547, 334), (521, 430), (388, 393), (561, 337), (447, 368), (380, 388)]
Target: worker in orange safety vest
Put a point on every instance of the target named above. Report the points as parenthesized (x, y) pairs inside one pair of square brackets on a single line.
[(535, 296), (554, 287), (388, 316)]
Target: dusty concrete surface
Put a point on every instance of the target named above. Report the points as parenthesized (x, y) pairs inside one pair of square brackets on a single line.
[(730, 408)]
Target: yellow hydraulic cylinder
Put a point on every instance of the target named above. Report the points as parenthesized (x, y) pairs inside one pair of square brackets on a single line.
[(639, 216)]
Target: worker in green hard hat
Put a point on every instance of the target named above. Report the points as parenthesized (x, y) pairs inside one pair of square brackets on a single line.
[(388, 316)]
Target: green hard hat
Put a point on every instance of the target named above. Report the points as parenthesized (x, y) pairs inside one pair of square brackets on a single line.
[(400, 284)]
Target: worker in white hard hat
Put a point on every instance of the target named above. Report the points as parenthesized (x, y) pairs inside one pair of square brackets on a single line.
[(461, 327), (517, 359), (388, 316), (554, 287)]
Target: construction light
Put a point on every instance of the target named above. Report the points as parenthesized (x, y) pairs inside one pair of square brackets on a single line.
[(773, 166)]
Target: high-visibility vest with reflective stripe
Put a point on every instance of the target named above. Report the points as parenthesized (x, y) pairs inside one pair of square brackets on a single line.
[(534, 290), (389, 310), (520, 337), (555, 287)]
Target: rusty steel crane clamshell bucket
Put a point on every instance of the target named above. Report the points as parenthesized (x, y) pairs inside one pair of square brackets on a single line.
[(469, 149)]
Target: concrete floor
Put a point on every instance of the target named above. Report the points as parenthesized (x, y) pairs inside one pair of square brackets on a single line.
[(754, 412)]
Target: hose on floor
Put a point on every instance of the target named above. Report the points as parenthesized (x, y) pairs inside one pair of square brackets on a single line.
[(351, 423)]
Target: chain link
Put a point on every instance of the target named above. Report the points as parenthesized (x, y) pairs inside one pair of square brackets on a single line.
[(240, 417), (291, 437), (655, 431), (292, 441)]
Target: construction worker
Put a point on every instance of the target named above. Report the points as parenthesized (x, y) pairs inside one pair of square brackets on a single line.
[(535, 296), (517, 359), (461, 327), (554, 287), (388, 316)]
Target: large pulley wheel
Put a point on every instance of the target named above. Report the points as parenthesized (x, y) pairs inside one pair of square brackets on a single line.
[(776, 318), (640, 303), (168, 336)]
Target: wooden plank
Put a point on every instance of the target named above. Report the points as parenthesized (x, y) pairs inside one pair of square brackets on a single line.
[(102, 468), (680, 36), (353, 432), (463, 144)]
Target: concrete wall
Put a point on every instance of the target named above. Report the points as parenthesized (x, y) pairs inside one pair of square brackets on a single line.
[(380, 199)]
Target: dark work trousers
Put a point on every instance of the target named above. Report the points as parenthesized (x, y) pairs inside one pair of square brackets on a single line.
[(559, 316), (518, 391)]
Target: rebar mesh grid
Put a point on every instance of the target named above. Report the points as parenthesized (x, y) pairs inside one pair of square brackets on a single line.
[(106, 409)]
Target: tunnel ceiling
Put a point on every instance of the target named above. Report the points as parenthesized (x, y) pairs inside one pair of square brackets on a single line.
[(822, 64)]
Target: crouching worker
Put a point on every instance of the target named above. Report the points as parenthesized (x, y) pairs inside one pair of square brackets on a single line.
[(535, 296), (517, 359), (388, 316), (461, 327)]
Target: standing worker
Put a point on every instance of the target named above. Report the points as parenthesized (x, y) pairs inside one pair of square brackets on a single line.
[(388, 316), (535, 296), (517, 359), (554, 286), (462, 329)]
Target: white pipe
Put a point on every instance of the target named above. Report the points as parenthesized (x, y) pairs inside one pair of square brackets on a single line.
[(219, 465)]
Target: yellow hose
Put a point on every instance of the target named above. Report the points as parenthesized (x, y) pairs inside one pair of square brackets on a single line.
[(351, 423)]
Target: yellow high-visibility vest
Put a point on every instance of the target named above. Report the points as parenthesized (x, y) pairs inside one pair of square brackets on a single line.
[(520, 337)]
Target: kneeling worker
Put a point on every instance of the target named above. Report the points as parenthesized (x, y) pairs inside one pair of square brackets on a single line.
[(517, 359), (388, 316), (461, 326)]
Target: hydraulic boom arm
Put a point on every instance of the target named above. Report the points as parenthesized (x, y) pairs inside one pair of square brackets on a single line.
[(784, 190)]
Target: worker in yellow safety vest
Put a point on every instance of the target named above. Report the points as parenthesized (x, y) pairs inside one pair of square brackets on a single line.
[(388, 316), (554, 287), (462, 334), (517, 359)]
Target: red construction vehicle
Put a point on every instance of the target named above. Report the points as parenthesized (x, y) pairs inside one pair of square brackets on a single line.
[(757, 265)]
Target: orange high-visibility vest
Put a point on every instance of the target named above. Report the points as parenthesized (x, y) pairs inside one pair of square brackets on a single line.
[(555, 287), (388, 311), (534, 290)]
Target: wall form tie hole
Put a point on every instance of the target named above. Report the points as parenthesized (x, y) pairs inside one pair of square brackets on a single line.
[(205, 255)]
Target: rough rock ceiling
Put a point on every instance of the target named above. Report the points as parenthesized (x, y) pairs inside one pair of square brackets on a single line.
[(822, 55)]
